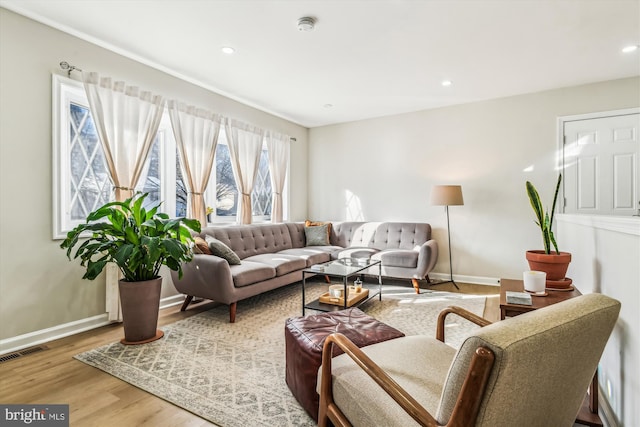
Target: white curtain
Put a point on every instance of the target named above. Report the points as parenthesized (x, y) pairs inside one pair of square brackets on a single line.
[(126, 121), (279, 147), (196, 132), (245, 147)]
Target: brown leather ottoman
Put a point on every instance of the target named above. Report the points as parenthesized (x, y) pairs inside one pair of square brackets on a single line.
[(304, 338)]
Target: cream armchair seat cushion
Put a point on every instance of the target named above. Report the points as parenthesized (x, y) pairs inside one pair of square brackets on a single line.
[(418, 363)]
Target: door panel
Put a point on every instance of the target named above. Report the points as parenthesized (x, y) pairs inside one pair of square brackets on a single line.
[(601, 165)]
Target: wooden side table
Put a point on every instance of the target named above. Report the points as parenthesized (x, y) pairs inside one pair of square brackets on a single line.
[(588, 414)]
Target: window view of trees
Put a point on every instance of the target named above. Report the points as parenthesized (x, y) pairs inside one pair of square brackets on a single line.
[(226, 189), (89, 181)]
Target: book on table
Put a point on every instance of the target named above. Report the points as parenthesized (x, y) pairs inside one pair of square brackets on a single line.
[(521, 298)]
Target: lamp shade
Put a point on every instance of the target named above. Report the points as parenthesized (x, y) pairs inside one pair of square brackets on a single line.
[(446, 195)]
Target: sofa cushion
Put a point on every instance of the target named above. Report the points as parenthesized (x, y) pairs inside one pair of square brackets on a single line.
[(281, 262), (397, 258), (250, 272), (252, 239), (311, 255), (317, 235), (218, 248), (200, 246)]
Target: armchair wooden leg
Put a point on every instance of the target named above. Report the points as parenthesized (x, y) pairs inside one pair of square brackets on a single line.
[(232, 312), (416, 285), (327, 279), (186, 302)]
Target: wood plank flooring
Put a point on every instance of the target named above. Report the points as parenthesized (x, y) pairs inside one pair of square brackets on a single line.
[(99, 399)]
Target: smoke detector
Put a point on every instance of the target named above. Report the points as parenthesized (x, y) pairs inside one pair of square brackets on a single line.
[(306, 24)]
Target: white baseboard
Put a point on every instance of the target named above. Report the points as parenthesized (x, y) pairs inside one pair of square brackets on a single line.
[(171, 301), (476, 280), (606, 412), (55, 332), (30, 339)]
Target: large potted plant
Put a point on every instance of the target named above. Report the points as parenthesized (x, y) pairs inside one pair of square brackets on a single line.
[(554, 263), (139, 242)]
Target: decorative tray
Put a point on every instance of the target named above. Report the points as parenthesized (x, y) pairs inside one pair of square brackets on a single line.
[(354, 297)]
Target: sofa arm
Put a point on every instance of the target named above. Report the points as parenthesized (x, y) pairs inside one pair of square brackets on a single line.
[(427, 257), (206, 276)]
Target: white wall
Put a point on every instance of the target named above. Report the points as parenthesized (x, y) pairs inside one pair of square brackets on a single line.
[(605, 258), (39, 287), (383, 169)]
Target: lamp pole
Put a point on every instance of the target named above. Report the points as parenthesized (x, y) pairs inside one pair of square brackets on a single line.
[(450, 263), (447, 195)]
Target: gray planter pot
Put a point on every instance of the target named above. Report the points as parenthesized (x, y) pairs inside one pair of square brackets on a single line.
[(140, 303)]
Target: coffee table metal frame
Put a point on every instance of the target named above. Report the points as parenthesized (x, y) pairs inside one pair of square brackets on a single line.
[(343, 268)]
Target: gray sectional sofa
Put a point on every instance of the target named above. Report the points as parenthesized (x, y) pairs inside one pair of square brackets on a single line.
[(273, 255)]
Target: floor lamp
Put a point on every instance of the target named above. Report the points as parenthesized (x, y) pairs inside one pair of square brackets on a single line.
[(447, 195)]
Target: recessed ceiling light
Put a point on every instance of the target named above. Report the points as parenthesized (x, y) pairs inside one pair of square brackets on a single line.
[(228, 50), (631, 48), (446, 83), (328, 105)]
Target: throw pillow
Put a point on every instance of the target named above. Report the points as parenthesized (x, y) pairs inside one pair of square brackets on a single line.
[(309, 223), (200, 246), (317, 235), (218, 248)]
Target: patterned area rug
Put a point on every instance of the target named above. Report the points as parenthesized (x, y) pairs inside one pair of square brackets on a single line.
[(233, 374)]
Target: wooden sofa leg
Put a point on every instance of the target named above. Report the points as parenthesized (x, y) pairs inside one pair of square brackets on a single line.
[(186, 302), (416, 285), (327, 279), (232, 312)]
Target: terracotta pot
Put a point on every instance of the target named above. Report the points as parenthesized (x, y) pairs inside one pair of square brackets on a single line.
[(140, 303), (555, 265)]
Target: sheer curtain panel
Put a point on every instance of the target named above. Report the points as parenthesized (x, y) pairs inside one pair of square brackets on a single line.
[(196, 132), (279, 147), (126, 121), (245, 147)]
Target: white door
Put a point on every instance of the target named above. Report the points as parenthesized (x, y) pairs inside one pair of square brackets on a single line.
[(601, 164)]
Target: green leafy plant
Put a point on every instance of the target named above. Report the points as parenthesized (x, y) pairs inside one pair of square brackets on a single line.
[(545, 220), (137, 240)]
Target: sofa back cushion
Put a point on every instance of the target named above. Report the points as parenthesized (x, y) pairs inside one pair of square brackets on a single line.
[(253, 239), (380, 235)]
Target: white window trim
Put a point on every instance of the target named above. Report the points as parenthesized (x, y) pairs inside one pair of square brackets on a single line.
[(64, 91)]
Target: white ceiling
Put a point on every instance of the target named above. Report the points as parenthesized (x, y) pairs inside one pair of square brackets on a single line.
[(367, 58)]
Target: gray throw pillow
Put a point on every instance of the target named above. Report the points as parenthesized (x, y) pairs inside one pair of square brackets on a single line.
[(223, 251), (317, 235)]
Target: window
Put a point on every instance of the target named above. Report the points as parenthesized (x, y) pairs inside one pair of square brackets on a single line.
[(82, 181), (226, 194)]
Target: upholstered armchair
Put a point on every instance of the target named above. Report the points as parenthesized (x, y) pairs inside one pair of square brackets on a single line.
[(533, 370)]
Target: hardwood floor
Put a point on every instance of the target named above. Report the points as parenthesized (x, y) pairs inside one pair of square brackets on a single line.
[(99, 399)]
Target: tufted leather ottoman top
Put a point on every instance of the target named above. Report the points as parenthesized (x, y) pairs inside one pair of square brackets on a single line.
[(362, 329), (305, 336)]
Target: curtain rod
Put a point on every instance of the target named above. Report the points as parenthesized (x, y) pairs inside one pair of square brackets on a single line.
[(66, 66)]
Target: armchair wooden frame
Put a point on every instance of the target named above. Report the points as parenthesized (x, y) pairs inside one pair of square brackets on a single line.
[(467, 404)]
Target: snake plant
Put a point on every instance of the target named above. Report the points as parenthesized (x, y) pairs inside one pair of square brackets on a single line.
[(544, 219)]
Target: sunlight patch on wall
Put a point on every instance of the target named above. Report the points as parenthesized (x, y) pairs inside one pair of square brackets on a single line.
[(353, 207)]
